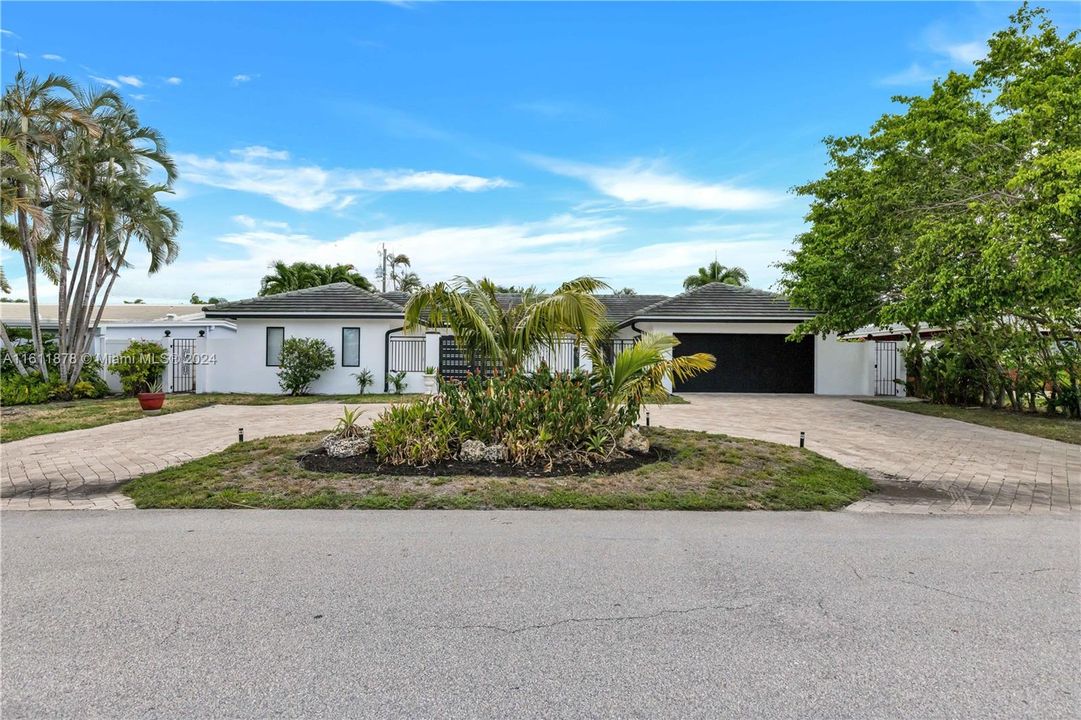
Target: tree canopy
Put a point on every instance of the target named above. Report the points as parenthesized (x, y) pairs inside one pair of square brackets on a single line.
[(285, 277), (82, 183), (965, 203), (963, 211), (715, 272)]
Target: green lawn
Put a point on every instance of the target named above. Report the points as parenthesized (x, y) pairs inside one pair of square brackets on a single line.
[(699, 472), (1068, 431), (23, 421)]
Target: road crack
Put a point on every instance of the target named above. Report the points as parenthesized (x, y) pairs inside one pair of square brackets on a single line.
[(598, 619)]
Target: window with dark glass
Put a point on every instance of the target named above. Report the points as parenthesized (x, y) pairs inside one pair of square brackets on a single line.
[(275, 336), (351, 347)]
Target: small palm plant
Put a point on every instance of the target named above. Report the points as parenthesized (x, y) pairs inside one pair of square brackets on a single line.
[(492, 329), (397, 381), (637, 374), (364, 379), (349, 423)]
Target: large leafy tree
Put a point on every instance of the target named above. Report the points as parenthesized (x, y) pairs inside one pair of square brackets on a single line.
[(963, 209), (508, 334), (84, 186), (285, 277), (715, 273)]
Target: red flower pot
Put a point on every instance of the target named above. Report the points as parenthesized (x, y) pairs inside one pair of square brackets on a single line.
[(151, 401)]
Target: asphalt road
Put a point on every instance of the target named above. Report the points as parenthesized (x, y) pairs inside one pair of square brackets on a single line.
[(539, 614)]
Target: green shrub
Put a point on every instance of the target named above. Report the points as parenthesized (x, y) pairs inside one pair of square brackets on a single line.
[(140, 365), (303, 361), (34, 390), (542, 417)]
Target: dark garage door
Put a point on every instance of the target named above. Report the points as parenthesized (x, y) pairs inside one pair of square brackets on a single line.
[(750, 363)]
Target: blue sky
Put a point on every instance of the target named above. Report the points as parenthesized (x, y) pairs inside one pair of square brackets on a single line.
[(526, 142)]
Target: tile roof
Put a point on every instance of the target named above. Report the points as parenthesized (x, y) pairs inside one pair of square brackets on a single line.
[(18, 314), (334, 300), (624, 307), (718, 301)]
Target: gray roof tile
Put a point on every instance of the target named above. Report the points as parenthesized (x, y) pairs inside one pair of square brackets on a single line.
[(334, 300), (718, 301)]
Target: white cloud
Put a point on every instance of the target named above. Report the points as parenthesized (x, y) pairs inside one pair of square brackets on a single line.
[(555, 109), (251, 223), (649, 184), (533, 252), (940, 52), (310, 187), (174, 80), (7, 33), (241, 78), (132, 80), (543, 252), (967, 52), (139, 96), (914, 74), (20, 55), (53, 57), (106, 81), (260, 152)]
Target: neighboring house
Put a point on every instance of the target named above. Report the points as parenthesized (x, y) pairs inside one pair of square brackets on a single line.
[(746, 329), (178, 328)]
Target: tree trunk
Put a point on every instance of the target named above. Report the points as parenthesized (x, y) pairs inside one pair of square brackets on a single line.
[(11, 352)]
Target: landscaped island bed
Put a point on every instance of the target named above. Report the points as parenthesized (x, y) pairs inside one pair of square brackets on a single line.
[(699, 471), (1038, 425)]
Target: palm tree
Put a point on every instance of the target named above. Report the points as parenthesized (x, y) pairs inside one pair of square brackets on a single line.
[(32, 123), (328, 274), (103, 202), (287, 277), (715, 273), (637, 373), (508, 335)]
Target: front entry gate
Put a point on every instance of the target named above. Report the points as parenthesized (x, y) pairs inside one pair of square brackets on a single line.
[(454, 363), (886, 369), (182, 365)]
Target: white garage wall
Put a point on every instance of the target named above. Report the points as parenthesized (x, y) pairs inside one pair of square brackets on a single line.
[(843, 368), (240, 364)]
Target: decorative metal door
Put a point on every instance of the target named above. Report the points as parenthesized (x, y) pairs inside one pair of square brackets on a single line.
[(182, 365), (886, 369), (454, 364)]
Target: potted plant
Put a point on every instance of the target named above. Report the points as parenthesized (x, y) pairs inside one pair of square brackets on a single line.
[(151, 400), (431, 384), (140, 367)]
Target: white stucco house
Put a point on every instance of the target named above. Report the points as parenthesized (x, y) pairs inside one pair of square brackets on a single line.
[(744, 328)]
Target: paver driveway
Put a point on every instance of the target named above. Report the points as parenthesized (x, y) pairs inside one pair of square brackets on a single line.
[(922, 464), (81, 468)]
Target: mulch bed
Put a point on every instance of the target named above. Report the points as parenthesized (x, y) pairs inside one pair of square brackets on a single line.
[(317, 460)]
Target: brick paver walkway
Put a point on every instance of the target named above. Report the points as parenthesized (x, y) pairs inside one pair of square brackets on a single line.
[(922, 464), (80, 469)]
